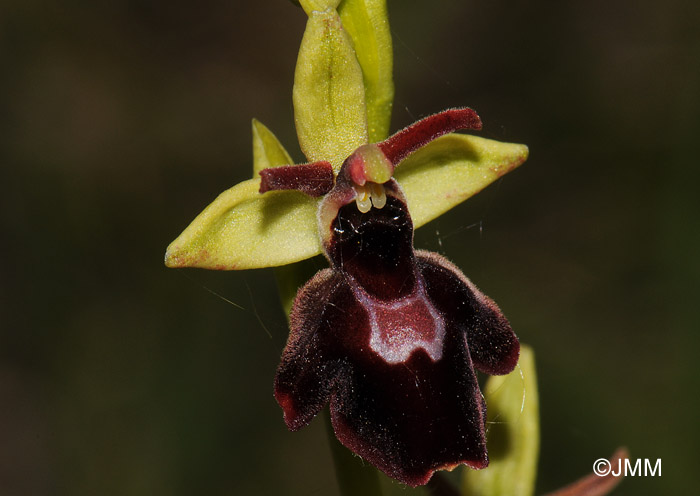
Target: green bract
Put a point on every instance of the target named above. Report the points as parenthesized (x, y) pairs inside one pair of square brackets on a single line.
[(342, 100), (367, 23), (513, 435)]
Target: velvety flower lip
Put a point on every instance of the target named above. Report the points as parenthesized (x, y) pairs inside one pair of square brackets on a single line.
[(390, 336)]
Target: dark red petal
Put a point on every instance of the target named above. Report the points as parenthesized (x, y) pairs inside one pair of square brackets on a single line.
[(408, 140), (314, 179), (493, 346)]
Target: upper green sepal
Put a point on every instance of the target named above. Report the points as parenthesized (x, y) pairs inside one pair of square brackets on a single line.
[(311, 6), (513, 435), (243, 229), (329, 93), (447, 171)]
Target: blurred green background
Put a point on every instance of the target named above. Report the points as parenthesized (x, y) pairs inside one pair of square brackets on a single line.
[(120, 121)]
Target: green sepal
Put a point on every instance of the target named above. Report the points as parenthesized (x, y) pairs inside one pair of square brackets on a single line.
[(267, 150), (329, 93), (243, 229), (447, 171), (310, 6), (513, 433), (367, 23)]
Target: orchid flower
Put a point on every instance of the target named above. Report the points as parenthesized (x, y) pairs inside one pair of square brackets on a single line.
[(388, 335)]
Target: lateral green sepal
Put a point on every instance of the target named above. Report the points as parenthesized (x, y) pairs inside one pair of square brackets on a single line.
[(447, 171), (243, 229)]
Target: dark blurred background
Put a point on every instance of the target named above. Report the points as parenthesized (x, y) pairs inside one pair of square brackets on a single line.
[(120, 121)]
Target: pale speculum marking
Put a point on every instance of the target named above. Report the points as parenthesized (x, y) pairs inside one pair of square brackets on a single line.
[(401, 327)]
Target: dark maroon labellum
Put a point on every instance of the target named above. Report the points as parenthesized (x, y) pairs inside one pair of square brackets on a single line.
[(390, 336)]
